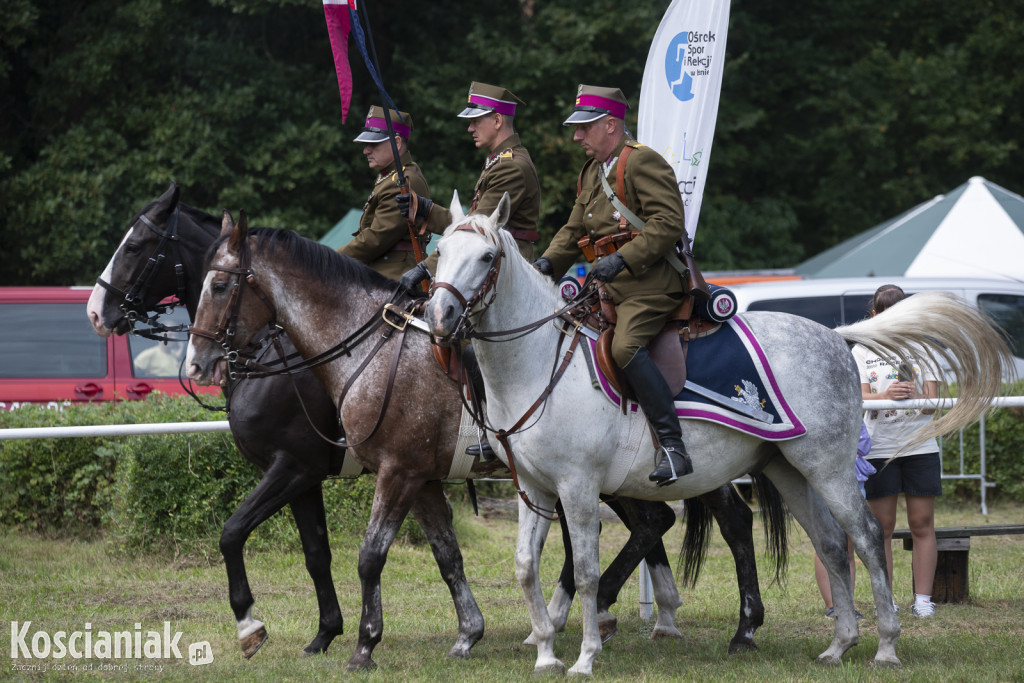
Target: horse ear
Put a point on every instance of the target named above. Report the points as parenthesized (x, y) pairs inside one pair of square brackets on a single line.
[(502, 211), (456, 208), (169, 199), (227, 223), (239, 233)]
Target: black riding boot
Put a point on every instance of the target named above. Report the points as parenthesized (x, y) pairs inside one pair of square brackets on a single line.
[(469, 362), (657, 402)]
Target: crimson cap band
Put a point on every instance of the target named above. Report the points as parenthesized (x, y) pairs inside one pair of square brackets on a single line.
[(375, 129), (593, 102), (485, 99)]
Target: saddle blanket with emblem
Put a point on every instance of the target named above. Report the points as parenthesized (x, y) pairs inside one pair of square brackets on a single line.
[(729, 361)]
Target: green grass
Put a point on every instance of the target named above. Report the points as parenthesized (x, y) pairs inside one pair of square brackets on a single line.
[(60, 584)]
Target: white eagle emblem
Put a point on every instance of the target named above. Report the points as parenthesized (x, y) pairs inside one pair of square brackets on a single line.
[(748, 394)]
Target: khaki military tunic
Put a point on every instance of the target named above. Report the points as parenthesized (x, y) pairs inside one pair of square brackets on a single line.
[(649, 288), (382, 241), (508, 169)]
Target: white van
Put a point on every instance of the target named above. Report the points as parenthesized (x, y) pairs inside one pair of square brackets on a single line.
[(840, 301)]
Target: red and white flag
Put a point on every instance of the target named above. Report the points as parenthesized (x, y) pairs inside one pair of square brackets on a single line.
[(337, 14)]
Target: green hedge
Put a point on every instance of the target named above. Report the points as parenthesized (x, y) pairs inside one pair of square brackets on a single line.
[(162, 492), (1004, 453)]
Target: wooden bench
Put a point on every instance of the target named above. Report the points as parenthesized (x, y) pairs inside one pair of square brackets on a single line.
[(954, 546)]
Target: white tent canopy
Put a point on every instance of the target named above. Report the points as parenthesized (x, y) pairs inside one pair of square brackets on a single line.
[(976, 230)]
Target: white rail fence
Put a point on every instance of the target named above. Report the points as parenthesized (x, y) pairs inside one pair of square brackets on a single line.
[(222, 426), (645, 588)]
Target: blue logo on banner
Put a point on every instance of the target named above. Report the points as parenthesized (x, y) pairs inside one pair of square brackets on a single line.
[(679, 82)]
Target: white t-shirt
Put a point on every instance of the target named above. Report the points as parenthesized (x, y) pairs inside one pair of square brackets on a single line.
[(891, 429)]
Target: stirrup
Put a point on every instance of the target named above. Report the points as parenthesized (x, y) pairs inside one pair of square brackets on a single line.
[(666, 478)]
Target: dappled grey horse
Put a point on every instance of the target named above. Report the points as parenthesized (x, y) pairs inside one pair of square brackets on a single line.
[(572, 452)]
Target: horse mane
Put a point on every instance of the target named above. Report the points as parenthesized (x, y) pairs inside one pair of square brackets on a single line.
[(520, 267), (310, 257), (204, 221)]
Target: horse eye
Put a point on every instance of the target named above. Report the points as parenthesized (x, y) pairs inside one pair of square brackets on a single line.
[(488, 257), (219, 287), (130, 248)]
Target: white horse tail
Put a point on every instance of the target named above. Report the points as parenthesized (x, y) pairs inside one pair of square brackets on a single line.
[(952, 334)]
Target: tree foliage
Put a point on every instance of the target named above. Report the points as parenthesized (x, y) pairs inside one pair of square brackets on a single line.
[(834, 116)]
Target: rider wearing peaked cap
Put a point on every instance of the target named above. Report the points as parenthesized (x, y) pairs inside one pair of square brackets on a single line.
[(642, 283), (508, 168), (382, 240)]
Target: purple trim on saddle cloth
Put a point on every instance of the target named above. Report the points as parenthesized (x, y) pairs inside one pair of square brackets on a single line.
[(740, 370)]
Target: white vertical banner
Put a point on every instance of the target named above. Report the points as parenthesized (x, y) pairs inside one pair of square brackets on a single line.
[(679, 95)]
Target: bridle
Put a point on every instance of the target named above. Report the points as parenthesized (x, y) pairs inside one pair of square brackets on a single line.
[(133, 298), (227, 323), (387, 316), (486, 286)]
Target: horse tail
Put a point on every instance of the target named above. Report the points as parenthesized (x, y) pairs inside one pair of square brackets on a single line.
[(697, 540), (776, 524), (952, 335)]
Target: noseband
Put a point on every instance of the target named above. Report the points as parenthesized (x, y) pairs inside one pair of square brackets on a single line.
[(486, 287), (132, 304), (224, 333)]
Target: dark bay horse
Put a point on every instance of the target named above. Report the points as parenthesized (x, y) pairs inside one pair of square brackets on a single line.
[(271, 431)]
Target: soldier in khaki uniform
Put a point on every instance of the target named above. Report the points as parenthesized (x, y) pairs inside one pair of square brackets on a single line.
[(643, 285), (508, 168), (382, 241)]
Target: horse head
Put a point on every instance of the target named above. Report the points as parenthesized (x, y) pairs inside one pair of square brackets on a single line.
[(226, 320), (133, 280), (471, 255)]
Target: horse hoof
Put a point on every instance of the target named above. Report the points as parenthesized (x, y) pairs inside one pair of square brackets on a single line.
[(252, 643), (556, 668), (458, 653), (659, 633), (829, 660), (357, 664), (608, 628), (887, 663), (739, 648)]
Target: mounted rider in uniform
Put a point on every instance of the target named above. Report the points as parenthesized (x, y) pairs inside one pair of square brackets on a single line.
[(383, 241), (638, 271)]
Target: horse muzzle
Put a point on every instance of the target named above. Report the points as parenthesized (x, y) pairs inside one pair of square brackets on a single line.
[(206, 369), (443, 314)]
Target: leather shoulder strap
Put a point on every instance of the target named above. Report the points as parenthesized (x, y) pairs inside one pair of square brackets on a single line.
[(620, 172)]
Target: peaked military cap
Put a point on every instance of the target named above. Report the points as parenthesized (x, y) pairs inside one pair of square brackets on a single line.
[(376, 128), (593, 102), (484, 99)]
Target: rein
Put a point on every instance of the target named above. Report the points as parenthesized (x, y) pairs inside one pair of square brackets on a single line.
[(224, 335)]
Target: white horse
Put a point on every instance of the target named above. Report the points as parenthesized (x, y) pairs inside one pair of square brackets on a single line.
[(571, 448)]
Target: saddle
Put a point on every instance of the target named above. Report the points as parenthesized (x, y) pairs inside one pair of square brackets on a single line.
[(667, 349)]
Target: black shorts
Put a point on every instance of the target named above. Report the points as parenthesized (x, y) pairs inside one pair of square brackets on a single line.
[(915, 475)]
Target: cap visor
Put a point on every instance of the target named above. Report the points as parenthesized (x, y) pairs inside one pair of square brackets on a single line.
[(582, 117), (473, 112), (371, 137)]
